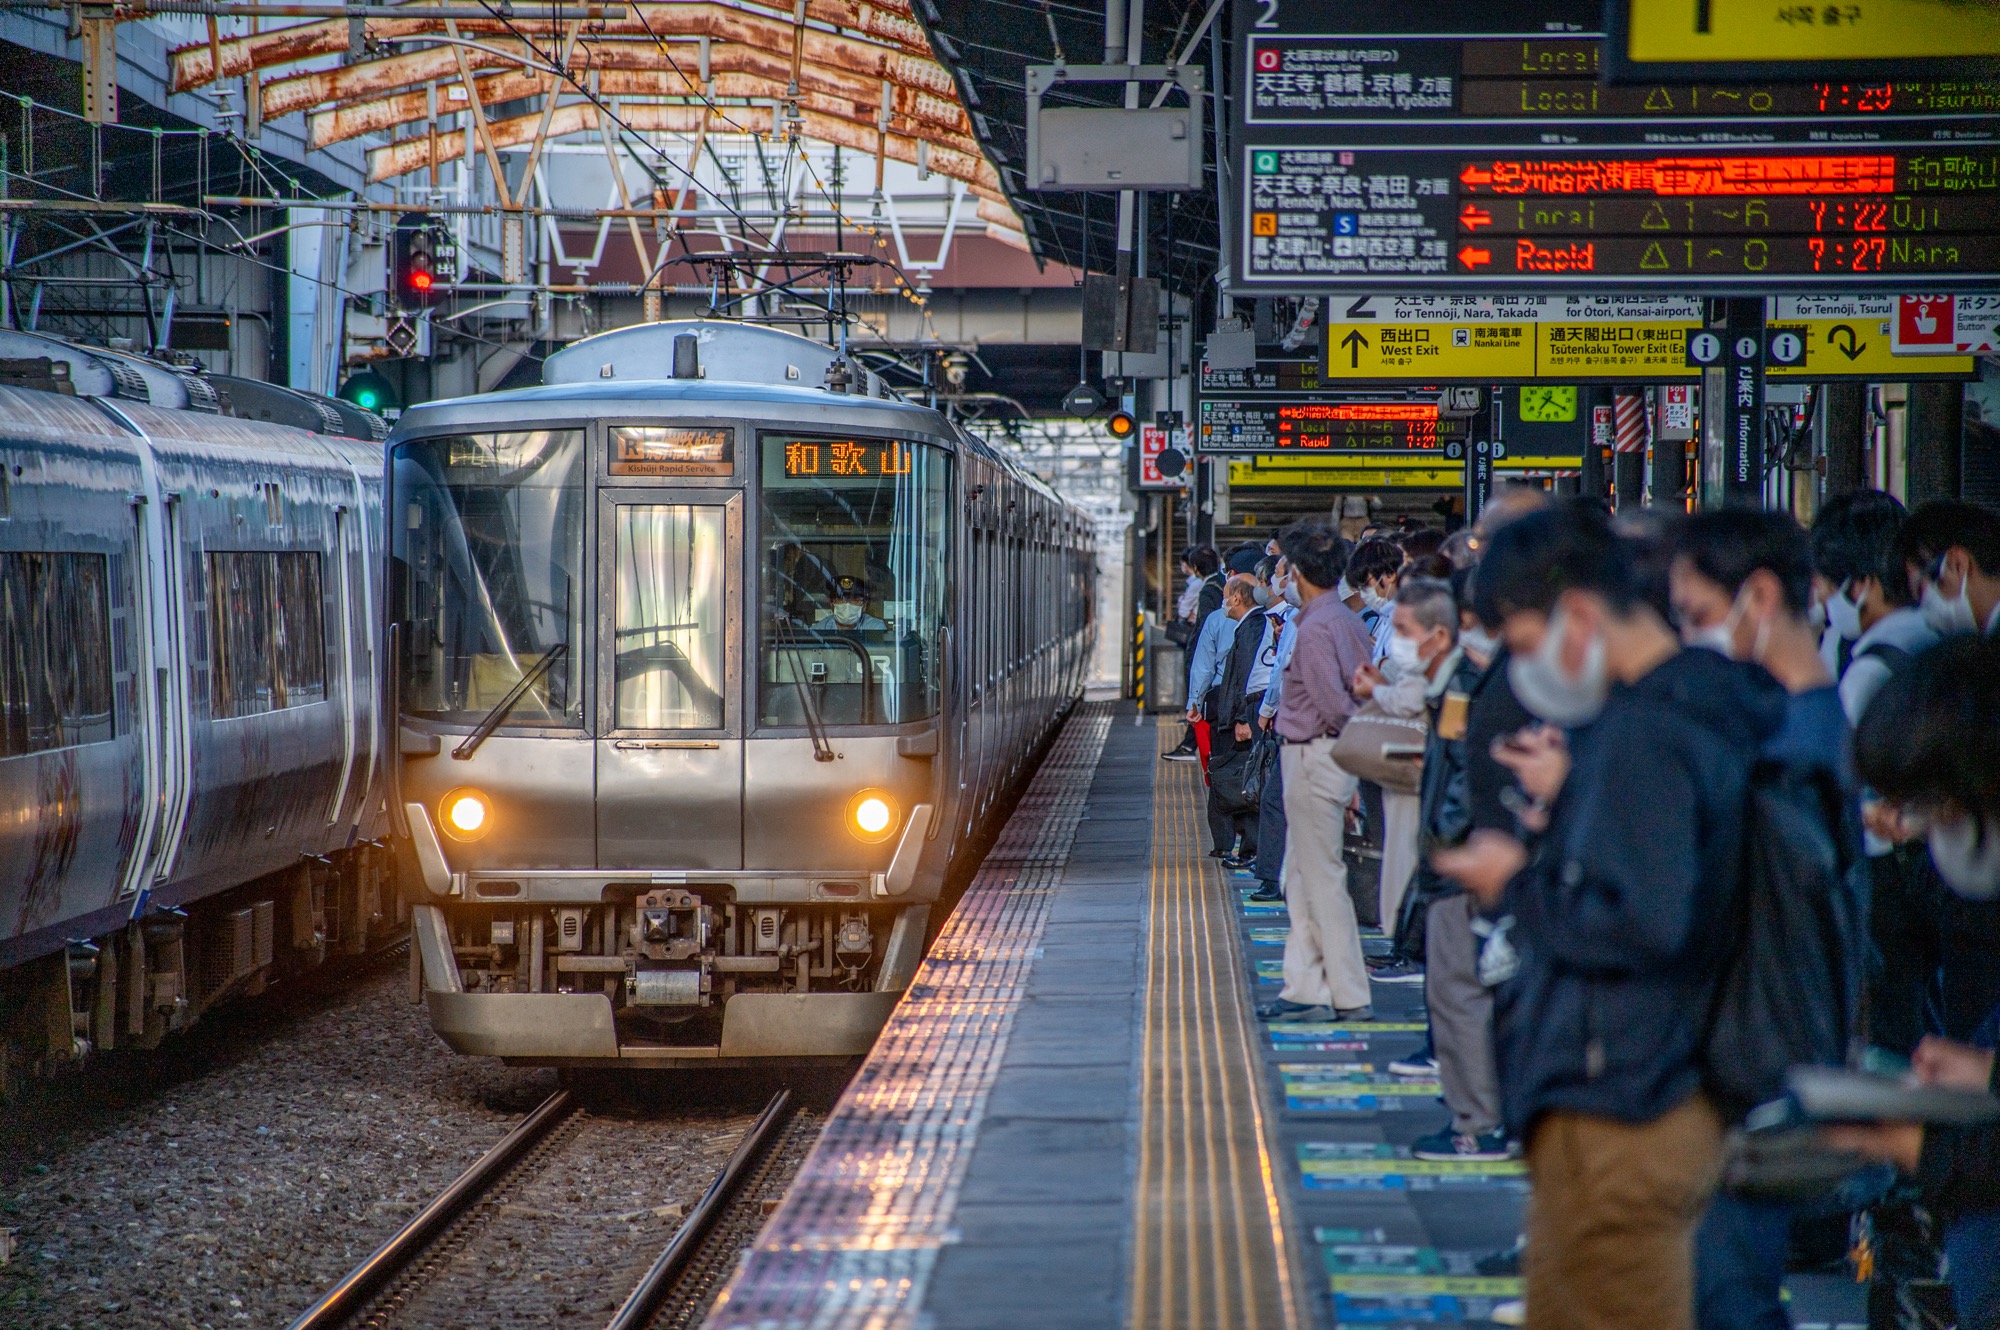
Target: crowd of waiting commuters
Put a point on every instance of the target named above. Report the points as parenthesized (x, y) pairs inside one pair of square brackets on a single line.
[(1660, 806)]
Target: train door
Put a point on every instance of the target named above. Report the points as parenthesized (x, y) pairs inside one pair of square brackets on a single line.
[(670, 725), (345, 620)]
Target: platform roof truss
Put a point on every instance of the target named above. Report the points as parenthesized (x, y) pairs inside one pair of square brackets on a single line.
[(858, 75)]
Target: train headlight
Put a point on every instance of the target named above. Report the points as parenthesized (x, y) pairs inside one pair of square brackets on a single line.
[(872, 816), (465, 813)]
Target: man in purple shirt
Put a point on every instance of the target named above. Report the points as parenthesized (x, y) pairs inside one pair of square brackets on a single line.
[(1325, 976)]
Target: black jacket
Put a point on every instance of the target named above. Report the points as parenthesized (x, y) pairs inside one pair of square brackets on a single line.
[(1232, 705), (1210, 601), (1494, 711), (1444, 800), (1616, 915)]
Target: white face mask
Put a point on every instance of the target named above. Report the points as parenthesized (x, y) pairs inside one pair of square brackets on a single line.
[(1404, 657), (846, 613), (1372, 598), (1947, 617), (1479, 642), (1291, 592), (1551, 695), (1843, 614), (1343, 590), (1719, 637), (1967, 855), (1262, 595)]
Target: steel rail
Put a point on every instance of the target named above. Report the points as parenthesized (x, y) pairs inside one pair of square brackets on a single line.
[(643, 1303), (344, 1299)]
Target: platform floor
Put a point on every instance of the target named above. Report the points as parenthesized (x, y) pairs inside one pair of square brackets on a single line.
[(1076, 1120)]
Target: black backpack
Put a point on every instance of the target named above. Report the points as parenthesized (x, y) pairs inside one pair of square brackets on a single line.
[(1789, 992)]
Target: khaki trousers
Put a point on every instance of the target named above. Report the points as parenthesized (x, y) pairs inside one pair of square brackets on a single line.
[(1612, 1217), (1323, 965), (1399, 855)]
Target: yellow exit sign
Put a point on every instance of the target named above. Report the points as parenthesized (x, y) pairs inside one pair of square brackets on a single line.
[(1838, 39)]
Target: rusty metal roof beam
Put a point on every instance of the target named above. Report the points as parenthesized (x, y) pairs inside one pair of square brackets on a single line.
[(918, 114), (414, 154), (905, 62)]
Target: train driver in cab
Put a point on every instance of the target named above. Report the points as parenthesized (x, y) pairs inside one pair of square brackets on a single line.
[(848, 609)]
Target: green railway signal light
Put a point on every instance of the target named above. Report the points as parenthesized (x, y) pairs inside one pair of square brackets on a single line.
[(369, 391)]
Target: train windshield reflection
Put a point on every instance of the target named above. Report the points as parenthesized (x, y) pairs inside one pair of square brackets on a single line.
[(853, 544), (488, 550)]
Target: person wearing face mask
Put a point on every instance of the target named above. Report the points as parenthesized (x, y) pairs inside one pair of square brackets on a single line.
[(1931, 742), (1423, 624), (1872, 622), (1741, 583), (847, 610), (1952, 554), (1283, 610), (1372, 573), (1325, 975), (1233, 826), (1599, 1029)]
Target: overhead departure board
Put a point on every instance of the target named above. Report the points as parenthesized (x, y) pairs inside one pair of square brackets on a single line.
[(1712, 220), (1470, 145), (1279, 426), (1412, 80)]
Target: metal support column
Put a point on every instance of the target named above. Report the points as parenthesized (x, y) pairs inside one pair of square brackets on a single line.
[(1843, 427), (1932, 440)]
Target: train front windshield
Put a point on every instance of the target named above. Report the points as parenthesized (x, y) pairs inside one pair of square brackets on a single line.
[(490, 585), (853, 547)]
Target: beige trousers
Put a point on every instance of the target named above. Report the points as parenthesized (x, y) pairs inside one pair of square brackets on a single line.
[(1399, 853), (1323, 965)]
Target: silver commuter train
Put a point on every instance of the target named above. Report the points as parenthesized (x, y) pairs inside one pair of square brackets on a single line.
[(704, 678), (191, 778)]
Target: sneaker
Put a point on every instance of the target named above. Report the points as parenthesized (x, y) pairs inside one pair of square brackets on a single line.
[(1268, 892), (1401, 972), (1512, 1312), (1181, 755), (1283, 1010), (1449, 1144), (1503, 1264), (1423, 1066), (1354, 1014), (1236, 863)]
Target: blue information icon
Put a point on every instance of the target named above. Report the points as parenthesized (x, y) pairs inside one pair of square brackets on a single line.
[(1347, 223)]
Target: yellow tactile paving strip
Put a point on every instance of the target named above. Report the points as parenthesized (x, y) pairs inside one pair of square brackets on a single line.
[(1208, 1234)]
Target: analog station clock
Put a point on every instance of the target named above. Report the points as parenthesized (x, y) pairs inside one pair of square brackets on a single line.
[(1548, 404)]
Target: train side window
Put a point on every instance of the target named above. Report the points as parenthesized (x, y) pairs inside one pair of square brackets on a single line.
[(267, 632), (55, 651)]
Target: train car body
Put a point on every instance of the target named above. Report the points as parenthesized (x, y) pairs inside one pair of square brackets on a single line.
[(702, 683), (191, 769)]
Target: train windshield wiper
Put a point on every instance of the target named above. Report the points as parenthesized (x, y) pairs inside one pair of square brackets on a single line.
[(491, 721)]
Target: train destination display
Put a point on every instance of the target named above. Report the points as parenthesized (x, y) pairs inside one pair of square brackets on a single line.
[(1409, 80), (1277, 426), (1713, 221), (1473, 146)]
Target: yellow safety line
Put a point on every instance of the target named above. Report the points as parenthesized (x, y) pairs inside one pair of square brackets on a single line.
[(1198, 1177)]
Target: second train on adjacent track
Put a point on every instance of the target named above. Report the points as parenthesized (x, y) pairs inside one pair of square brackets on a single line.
[(702, 678)]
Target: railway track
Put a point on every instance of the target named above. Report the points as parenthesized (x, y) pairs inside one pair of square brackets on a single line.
[(404, 1279)]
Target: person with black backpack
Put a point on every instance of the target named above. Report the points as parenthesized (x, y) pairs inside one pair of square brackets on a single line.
[(1741, 583), (1641, 775)]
